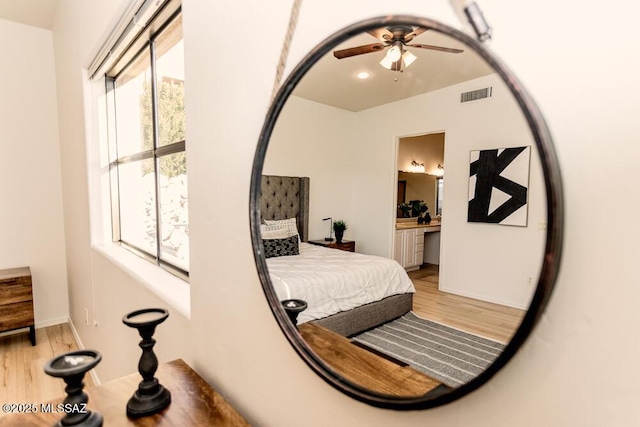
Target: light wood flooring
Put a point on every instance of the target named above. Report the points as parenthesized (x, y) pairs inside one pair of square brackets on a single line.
[(22, 376), (489, 320)]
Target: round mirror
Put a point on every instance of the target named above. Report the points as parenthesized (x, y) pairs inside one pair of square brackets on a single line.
[(406, 212)]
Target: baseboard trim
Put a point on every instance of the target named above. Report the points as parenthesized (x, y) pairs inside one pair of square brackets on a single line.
[(52, 322), (483, 298), (39, 325), (94, 375)]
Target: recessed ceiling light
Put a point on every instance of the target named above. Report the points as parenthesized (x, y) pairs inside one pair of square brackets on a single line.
[(363, 75)]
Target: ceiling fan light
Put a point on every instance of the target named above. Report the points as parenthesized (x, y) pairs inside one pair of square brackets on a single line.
[(391, 60), (386, 62), (408, 58), (395, 53)]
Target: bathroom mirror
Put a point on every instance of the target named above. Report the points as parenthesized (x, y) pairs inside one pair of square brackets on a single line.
[(329, 151)]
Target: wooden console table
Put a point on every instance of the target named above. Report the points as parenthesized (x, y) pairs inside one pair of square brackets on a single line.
[(16, 301), (193, 403)]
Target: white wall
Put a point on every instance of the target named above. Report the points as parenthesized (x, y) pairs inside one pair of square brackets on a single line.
[(31, 221), (568, 373), (311, 140), (472, 253)]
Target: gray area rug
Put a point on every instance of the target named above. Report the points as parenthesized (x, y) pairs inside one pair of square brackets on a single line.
[(446, 354)]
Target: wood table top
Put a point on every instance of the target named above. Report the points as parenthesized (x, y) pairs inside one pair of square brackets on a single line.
[(362, 367), (193, 403)]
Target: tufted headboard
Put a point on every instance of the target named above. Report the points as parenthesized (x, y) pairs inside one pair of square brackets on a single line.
[(283, 197)]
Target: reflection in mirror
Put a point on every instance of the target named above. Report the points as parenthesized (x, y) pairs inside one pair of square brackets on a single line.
[(420, 177), (414, 303)]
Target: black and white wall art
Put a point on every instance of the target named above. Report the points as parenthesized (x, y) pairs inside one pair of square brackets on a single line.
[(499, 186)]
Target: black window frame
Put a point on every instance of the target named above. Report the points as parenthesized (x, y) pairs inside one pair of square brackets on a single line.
[(142, 45)]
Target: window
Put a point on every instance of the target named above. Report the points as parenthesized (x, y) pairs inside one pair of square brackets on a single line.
[(439, 195), (147, 147)]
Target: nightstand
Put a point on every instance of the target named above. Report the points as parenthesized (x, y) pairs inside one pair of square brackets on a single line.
[(16, 301), (346, 245)]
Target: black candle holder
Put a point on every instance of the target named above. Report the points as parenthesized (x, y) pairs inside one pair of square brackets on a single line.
[(293, 307), (151, 397), (71, 367)]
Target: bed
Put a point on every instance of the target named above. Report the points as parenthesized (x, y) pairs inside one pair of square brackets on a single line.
[(346, 292)]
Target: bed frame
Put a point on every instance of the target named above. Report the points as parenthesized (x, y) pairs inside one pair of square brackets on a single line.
[(283, 197)]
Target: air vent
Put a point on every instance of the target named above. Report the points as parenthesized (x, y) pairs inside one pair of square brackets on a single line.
[(476, 94)]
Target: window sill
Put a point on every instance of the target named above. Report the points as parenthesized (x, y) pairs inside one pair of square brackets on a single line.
[(171, 289)]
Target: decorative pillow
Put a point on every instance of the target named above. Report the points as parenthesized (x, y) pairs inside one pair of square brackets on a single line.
[(278, 225), (281, 247), (287, 221), (278, 233)]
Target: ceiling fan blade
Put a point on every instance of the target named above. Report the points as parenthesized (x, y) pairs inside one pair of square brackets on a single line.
[(415, 33), (440, 48), (358, 50), (381, 34)]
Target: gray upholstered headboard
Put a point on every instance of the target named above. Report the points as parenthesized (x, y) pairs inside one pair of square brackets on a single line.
[(283, 197)]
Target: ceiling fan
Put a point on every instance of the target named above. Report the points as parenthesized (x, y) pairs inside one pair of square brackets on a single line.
[(396, 38)]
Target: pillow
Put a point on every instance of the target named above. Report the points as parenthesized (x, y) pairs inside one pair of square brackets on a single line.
[(281, 247), (280, 221), (288, 225), (277, 233)]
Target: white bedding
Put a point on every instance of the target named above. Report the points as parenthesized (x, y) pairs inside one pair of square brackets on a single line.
[(331, 280)]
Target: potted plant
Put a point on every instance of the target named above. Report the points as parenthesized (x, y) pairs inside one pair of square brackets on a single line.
[(405, 209), (338, 227), (416, 207)]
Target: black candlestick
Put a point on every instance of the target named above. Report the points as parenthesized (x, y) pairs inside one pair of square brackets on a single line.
[(151, 397), (71, 367), (293, 307)]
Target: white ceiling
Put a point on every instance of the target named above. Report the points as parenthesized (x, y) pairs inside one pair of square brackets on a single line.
[(36, 13), (332, 81)]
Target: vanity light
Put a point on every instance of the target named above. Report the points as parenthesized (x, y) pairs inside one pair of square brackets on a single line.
[(417, 167), (440, 171)]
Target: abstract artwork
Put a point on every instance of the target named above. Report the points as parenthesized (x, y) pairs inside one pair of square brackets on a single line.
[(498, 186)]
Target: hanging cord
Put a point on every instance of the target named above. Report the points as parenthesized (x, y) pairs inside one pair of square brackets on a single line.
[(293, 20)]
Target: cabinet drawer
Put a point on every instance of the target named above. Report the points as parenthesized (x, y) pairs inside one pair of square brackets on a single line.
[(18, 315), (12, 293), (419, 238), (20, 275)]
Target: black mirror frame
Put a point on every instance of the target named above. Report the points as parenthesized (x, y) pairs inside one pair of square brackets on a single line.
[(553, 244)]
